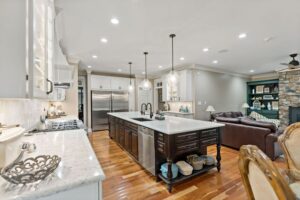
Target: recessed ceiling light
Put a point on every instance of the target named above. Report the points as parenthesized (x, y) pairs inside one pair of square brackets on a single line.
[(181, 58), (242, 35), (160, 66), (143, 72), (89, 66), (251, 71), (114, 21), (205, 50), (103, 40), (215, 62), (95, 56), (119, 70)]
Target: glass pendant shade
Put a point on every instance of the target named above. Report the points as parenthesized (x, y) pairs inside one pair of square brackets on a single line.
[(130, 88), (146, 84), (172, 78)]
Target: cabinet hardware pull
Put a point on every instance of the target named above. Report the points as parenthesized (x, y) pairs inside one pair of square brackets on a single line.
[(51, 87)]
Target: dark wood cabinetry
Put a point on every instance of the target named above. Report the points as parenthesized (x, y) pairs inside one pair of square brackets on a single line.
[(169, 148), (134, 144), (125, 134)]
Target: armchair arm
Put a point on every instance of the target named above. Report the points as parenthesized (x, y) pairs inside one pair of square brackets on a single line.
[(273, 149)]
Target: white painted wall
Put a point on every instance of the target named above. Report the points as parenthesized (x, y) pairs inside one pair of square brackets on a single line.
[(224, 92)]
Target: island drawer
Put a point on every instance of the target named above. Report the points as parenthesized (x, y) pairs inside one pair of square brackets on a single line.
[(160, 137), (187, 147), (209, 133), (161, 147), (131, 125), (209, 141), (186, 137)]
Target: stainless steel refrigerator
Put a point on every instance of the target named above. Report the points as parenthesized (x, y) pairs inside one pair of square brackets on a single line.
[(104, 102)]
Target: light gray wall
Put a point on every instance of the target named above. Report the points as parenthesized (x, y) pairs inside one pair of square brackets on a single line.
[(224, 92)]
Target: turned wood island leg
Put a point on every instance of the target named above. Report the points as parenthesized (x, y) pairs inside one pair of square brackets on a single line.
[(170, 174), (218, 157)]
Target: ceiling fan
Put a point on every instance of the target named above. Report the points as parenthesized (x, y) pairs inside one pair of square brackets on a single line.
[(293, 64)]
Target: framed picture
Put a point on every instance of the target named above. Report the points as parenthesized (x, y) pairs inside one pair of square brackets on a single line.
[(266, 90), (275, 105), (259, 89)]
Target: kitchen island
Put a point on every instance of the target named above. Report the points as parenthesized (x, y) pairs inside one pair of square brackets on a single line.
[(173, 139), (79, 175)]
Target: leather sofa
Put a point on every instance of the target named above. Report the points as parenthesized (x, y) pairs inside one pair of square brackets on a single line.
[(240, 130)]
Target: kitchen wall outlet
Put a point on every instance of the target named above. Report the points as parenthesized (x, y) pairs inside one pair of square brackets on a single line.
[(199, 103)]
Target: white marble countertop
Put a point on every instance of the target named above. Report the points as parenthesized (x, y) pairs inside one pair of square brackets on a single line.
[(79, 165), (171, 125), (177, 112)]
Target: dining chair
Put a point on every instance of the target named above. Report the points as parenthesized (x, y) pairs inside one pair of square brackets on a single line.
[(290, 144), (260, 177)]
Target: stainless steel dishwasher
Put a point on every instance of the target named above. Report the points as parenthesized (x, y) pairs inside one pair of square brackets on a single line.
[(146, 148)]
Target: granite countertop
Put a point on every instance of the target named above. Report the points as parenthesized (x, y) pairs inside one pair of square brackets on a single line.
[(171, 125), (79, 165)]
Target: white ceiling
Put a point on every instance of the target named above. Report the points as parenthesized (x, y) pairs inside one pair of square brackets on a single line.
[(215, 24)]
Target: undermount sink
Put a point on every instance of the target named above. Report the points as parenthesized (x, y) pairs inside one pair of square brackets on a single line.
[(141, 119)]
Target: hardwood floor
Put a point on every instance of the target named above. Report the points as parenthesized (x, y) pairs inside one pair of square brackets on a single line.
[(125, 179)]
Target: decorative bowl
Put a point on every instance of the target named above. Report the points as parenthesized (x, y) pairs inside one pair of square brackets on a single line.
[(31, 169)]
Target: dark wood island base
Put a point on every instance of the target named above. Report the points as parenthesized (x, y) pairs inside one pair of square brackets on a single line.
[(169, 148), (174, 147)]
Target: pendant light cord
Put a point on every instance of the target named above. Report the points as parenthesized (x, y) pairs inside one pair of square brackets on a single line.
[(130, 71), (172, 37), (146, 73)]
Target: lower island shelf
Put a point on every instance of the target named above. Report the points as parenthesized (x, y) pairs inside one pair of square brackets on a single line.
[(181, 178)]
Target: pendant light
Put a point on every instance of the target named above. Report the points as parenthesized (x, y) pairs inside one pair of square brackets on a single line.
[(146, 84), (173, 76), (130, 87)]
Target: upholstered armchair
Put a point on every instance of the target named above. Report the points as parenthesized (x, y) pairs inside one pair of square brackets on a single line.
[(260, 177), (290, 144)]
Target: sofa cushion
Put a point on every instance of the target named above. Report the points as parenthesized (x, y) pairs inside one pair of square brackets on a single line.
[(228, 114), (228, 119), (261, 124), (237, 114)]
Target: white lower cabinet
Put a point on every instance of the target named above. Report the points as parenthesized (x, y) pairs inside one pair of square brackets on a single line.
[(87, 192)]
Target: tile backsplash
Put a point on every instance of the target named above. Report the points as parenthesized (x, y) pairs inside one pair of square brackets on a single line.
[(25, 112), (175, 106)]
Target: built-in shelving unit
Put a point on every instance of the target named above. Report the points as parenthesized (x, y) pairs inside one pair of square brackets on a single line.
[(263, 97)]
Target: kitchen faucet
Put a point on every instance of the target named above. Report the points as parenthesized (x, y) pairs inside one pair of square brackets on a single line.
[(143, 109), (151, 111)]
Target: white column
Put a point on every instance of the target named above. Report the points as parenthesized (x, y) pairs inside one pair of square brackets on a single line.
[(89, 101)]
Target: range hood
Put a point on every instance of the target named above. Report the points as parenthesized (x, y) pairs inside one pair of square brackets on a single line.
[(63, 71)]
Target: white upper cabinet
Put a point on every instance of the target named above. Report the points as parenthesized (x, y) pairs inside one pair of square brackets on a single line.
[(100, 82), (185, 85), (183, 91), (26, 63), (109, 83), (119, 83)]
